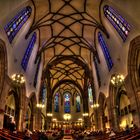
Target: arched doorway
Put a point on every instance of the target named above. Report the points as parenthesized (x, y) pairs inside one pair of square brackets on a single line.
[(124, 110), (133, 78), (3, 64), (11, 108), (9, 111)]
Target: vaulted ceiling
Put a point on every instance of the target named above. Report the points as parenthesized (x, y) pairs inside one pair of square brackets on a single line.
[(67, 34)]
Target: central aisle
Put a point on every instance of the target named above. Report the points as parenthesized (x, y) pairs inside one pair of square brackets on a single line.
[(67, 138)]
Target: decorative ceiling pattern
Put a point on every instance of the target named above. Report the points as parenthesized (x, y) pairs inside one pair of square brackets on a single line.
[(67, 29)]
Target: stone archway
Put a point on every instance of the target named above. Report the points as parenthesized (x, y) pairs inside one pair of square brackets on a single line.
[(3, 65), (5, 82), (133, 78), (12, 107)]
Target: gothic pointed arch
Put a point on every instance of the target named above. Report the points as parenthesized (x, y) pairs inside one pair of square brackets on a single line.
[(3, 65)]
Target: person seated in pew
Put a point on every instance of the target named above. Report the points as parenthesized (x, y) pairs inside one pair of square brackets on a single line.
[(112, 133), (127, 130), (12, 126), (27, 135)]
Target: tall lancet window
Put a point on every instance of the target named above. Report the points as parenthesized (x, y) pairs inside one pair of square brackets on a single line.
[(119, 23), (44, 93), (78, 108), (28, 52), (56, 102), (67, 103), (17, 22), (90, 96), (105, 51)]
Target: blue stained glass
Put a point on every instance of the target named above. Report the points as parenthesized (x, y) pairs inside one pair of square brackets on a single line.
[(78, 108), (17, 22), (105, 51), (28, 52), (67, 103), (119, 23), (43, 92), (90, 96), (56, 102)]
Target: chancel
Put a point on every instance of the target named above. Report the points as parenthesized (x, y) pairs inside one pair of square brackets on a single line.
[(70, 69)]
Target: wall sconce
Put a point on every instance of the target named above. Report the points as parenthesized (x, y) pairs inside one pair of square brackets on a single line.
[(117, 79), (40, 105), (18, 78), (49, 114), (85, 114), (95, 105), (54, 119), (80, 119)]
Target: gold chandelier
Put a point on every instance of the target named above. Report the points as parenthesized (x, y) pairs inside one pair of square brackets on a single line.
[(117, 79), (18, 78)]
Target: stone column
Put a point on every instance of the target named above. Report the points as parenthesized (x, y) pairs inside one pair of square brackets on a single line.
[(97, 118), (38, 119)]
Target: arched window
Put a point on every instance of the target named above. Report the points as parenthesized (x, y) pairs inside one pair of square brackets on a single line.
[(67, 103), (56, 103), (90, 96), (105, 51), (17, 22), (43, 93), (78, 108), (28, 52), (119, 23)]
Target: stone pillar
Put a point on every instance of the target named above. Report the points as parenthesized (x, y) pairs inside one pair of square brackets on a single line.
[(48, 122), (49, 93), (20, 120), (38, 119), (97, 118), (87, 122), (114, 119), (85, 97), (1, 118)]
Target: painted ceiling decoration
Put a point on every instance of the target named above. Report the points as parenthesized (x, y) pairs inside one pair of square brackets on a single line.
[(67, 30)]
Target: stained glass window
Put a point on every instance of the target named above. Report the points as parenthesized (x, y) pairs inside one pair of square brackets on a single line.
[(43, 93), (28, 52), (119, 23), (90, 96), (17, 22), (78, 108), (67, 103), (105, 51), (37, 71), (56, 102)]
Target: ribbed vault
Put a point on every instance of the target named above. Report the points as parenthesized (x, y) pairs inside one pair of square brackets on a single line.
[(67, 31)]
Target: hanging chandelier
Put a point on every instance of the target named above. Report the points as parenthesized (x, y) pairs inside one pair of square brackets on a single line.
[(18, 78), (117, 79)]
